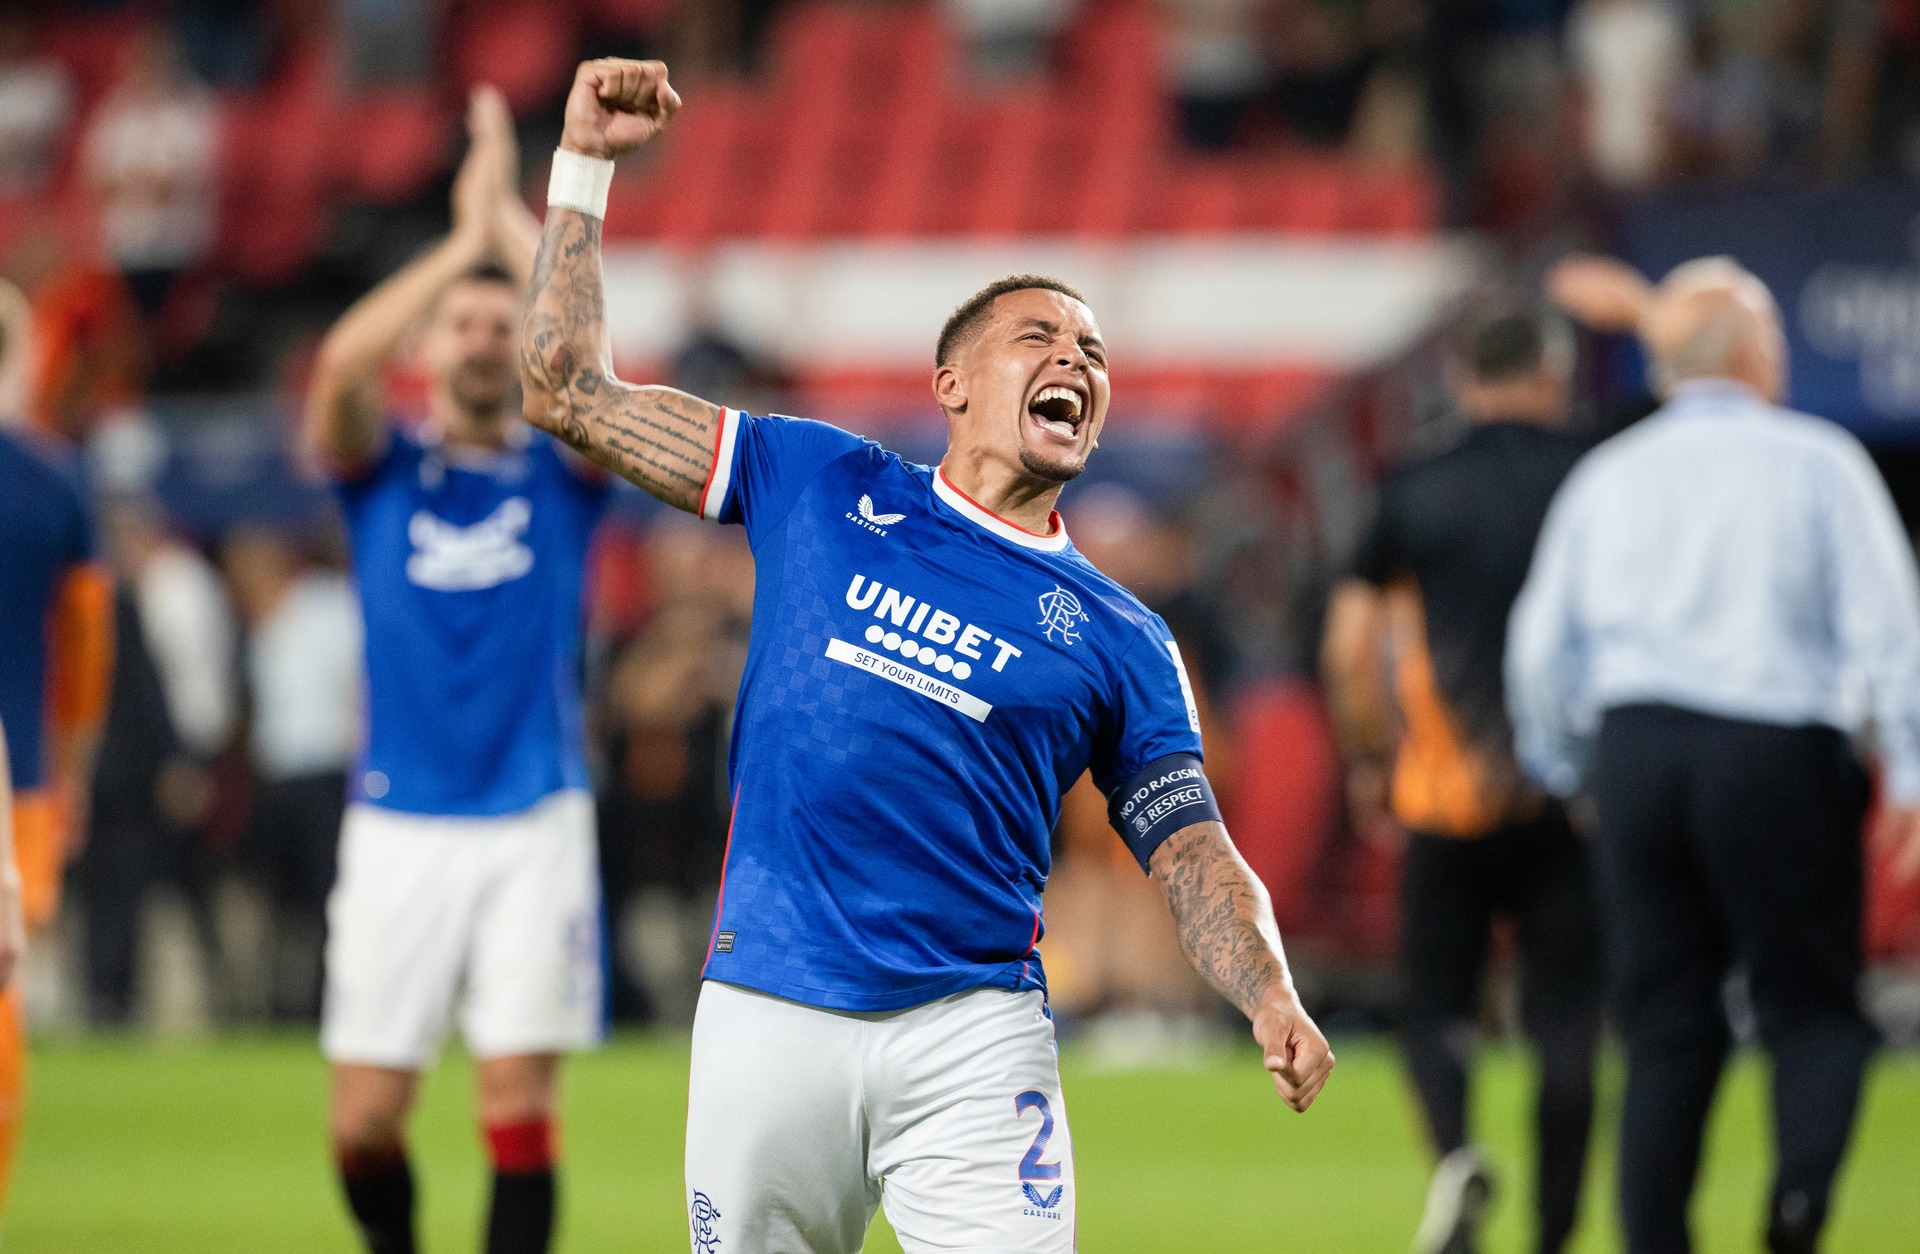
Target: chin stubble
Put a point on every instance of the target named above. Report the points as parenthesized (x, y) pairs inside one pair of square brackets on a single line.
[(1053, 472)]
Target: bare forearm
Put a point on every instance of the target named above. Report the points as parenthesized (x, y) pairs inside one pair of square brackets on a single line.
[(343, 403), (371, 329), (1222, 916), (658, 438), (517, 239)]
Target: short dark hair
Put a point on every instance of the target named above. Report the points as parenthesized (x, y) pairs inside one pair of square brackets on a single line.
[(973, 311), (1505, 343), (489, 272)]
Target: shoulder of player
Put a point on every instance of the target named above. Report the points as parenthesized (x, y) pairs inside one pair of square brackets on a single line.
[(37, 456), (1129, 617), (809, 429), (1427, 465), (397, 447)]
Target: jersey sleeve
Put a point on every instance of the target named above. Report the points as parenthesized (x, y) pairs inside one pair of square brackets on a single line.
[(353, 486), (761, 465), (1147, 762)]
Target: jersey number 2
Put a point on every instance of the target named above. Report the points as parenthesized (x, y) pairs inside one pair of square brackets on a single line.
[(1031, 1168)]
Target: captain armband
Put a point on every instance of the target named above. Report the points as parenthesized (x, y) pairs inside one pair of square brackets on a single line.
[(1169, 794)]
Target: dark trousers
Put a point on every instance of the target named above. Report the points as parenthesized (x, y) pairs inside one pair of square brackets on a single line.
[(1727, 844), (1451, 889), (293, 835), (126, 855)]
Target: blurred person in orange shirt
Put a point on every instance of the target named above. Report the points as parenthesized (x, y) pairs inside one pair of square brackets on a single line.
[(1427, 600), (82, 351), (55, 632)]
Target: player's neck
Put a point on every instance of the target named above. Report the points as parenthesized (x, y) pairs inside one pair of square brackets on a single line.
[(486, 430), (1015, 495)]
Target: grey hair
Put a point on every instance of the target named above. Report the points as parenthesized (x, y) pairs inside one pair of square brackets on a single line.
[(1709, 350)]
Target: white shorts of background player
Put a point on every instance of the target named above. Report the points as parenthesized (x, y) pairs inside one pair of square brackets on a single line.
[(801, 1120), (500, 916)]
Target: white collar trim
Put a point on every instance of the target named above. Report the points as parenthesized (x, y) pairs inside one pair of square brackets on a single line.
[(981, 516)]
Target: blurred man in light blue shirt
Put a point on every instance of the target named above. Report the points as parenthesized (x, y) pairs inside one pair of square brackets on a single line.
[(1719, 597)]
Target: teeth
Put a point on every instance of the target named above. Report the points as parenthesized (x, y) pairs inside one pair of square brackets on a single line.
[(1060, 394)]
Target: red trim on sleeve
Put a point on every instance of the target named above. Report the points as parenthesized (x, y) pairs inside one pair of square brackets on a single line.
[(700, 510)]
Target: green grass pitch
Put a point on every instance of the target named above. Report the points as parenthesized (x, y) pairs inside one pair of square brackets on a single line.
[(219, 1147)]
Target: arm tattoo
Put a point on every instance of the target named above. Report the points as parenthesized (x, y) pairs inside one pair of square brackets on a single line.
[(659, 438), (1222, 915)]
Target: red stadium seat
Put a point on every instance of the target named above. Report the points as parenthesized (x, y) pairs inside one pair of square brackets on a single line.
[(629, 16), (389, 145), (1400, 203), (680, 194), (523, 47), (1203, 197), (1013, 139), (276, 149), (904, 142), (814, 109)]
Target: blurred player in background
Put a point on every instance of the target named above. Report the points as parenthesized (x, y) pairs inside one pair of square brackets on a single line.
[(467, 866), (1719, 597), (1429, 595), (932, 665), (13, 920), (56, 633)]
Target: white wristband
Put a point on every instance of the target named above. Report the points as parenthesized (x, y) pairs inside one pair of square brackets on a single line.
[(579, 182)]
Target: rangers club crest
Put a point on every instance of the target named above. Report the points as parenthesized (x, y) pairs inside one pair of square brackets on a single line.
[(1060, 611), (701, 1217)]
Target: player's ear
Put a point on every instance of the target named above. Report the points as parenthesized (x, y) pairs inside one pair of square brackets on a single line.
[(950, 388)]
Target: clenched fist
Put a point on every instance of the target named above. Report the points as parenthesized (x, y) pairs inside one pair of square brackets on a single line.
[(616, 106)]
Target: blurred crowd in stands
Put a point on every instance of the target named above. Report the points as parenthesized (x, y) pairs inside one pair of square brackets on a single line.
[(222, 175), (191, 191)]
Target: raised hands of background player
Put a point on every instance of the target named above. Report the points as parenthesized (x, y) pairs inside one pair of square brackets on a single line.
[(1295, 1052), (483, 172), (1600, 293), (616, 106)]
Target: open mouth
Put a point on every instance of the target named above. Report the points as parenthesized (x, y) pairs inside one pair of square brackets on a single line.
[(1057, 411)]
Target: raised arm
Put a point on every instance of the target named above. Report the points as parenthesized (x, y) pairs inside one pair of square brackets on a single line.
[(1225, 923), (657, 437), (516, 232), (343, 419)]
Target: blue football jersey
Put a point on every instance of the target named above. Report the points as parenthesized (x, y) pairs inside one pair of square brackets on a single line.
[(44, 533), (469, 568), (924, 682)]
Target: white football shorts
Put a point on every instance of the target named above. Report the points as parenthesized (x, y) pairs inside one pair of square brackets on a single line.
[(498, 915), (801, 1120)]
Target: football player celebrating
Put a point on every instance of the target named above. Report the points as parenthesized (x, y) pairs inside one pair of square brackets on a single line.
[(467, 857), (932, 665)]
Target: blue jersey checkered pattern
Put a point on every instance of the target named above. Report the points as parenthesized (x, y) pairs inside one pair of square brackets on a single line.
[(469, 568), (923, 684)]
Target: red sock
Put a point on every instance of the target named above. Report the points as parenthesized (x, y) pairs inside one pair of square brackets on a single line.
[(520, 1217), (524, 1148)]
